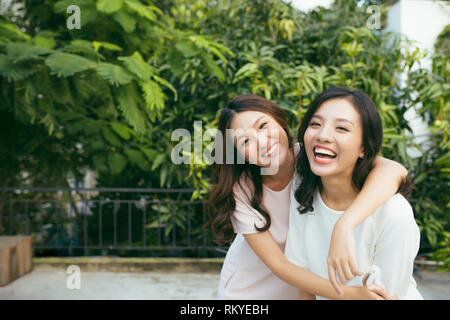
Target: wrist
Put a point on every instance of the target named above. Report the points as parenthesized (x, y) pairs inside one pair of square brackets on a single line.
[(345, 223), (354, 293), (350, 293)]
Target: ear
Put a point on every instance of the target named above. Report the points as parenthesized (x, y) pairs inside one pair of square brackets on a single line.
[(361, 155)]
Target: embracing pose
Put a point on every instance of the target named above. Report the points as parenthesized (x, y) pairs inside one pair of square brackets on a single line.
[(341, 135), (255, 205)]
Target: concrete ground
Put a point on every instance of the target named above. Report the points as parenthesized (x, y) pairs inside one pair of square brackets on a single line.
[(50, 282)]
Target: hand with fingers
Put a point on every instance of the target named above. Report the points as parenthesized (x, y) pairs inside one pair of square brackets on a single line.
[(342, 257)]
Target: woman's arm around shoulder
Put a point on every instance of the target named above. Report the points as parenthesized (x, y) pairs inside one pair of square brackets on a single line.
[(382, 182), (267, 249)]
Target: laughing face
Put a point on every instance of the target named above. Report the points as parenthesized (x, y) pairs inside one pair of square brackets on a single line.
[(333, 139)]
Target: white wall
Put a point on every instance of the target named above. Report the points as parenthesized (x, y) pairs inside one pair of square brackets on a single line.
[(306, 5), (421, 21)]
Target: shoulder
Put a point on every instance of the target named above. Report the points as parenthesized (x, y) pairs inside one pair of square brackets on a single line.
[(243, 189), (396, 209), (397, 203)]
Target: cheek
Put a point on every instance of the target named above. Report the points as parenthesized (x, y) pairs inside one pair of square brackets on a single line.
[(350, 148), (248, 152), (307, 137)]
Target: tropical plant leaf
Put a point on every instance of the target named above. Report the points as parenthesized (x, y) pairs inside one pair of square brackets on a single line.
[(44, 42), (107, 45), (138, 66), (175, 60), (165, 83), (111, 137), (14, 71), (18, 51), (128, 103), (142, 10), (109, 6), (10, 30), (66, 64), (126, 20), (136, 157), (187, 48), (212, 67), (122, 130), (116, 162), (114, 74), (158, 161), (153, 95)]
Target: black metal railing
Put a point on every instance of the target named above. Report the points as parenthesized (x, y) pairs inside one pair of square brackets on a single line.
[(99, 221)]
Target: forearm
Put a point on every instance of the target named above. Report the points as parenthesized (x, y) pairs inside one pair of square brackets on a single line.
[(302, 295), (308, 282), (381, 184)]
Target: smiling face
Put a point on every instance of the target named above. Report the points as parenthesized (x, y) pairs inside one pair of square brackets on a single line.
[(259, 138), (333, 138)]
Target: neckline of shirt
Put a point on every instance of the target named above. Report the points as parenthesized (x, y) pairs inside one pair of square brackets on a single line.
[(327, 209), (284, 189)]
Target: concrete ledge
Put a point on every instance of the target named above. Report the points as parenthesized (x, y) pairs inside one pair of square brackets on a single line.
[(15, 257), (176, 265), (428, 265), (116, 264)]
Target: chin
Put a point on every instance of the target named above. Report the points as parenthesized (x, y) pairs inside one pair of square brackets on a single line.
[(321, 171)]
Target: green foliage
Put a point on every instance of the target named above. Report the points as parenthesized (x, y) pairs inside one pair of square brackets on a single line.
[(105, 84)]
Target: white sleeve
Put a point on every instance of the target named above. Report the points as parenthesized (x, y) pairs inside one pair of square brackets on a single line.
[(295, 250), (397, 242)]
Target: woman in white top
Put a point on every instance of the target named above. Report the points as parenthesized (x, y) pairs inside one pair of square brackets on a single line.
[(254, 168), (342, 134)]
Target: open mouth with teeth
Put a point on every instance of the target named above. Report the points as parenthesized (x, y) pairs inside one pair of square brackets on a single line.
[(272, 151), (322, 153)]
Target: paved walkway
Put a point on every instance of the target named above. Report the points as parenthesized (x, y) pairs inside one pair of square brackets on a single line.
[(50, 283)]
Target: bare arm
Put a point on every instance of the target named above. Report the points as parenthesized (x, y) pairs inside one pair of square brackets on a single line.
[(266, 248), (306, 295), (381, 184)]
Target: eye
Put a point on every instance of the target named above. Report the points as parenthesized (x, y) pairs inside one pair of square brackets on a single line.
[(244, 142), (312, 124), (262, 125), (343, 129)]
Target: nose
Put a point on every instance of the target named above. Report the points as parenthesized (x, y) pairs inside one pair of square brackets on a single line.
[(325, 134)]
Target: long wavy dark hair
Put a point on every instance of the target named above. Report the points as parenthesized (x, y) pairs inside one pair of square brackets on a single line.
[(372, 140), (221, 203)]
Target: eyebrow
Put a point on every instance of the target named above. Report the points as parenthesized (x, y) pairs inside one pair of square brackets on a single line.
[(254, 123), (338, 119)]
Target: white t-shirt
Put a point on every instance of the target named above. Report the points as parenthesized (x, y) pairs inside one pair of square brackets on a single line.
[(389, 238), (244, 276)]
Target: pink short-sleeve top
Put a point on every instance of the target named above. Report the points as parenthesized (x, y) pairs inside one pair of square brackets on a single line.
[(244, 275)]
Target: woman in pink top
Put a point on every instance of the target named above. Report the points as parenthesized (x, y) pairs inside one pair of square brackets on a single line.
[(251, 198)]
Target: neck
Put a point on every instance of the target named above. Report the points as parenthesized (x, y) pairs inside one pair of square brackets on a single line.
[(283, 175), (338, 192)]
